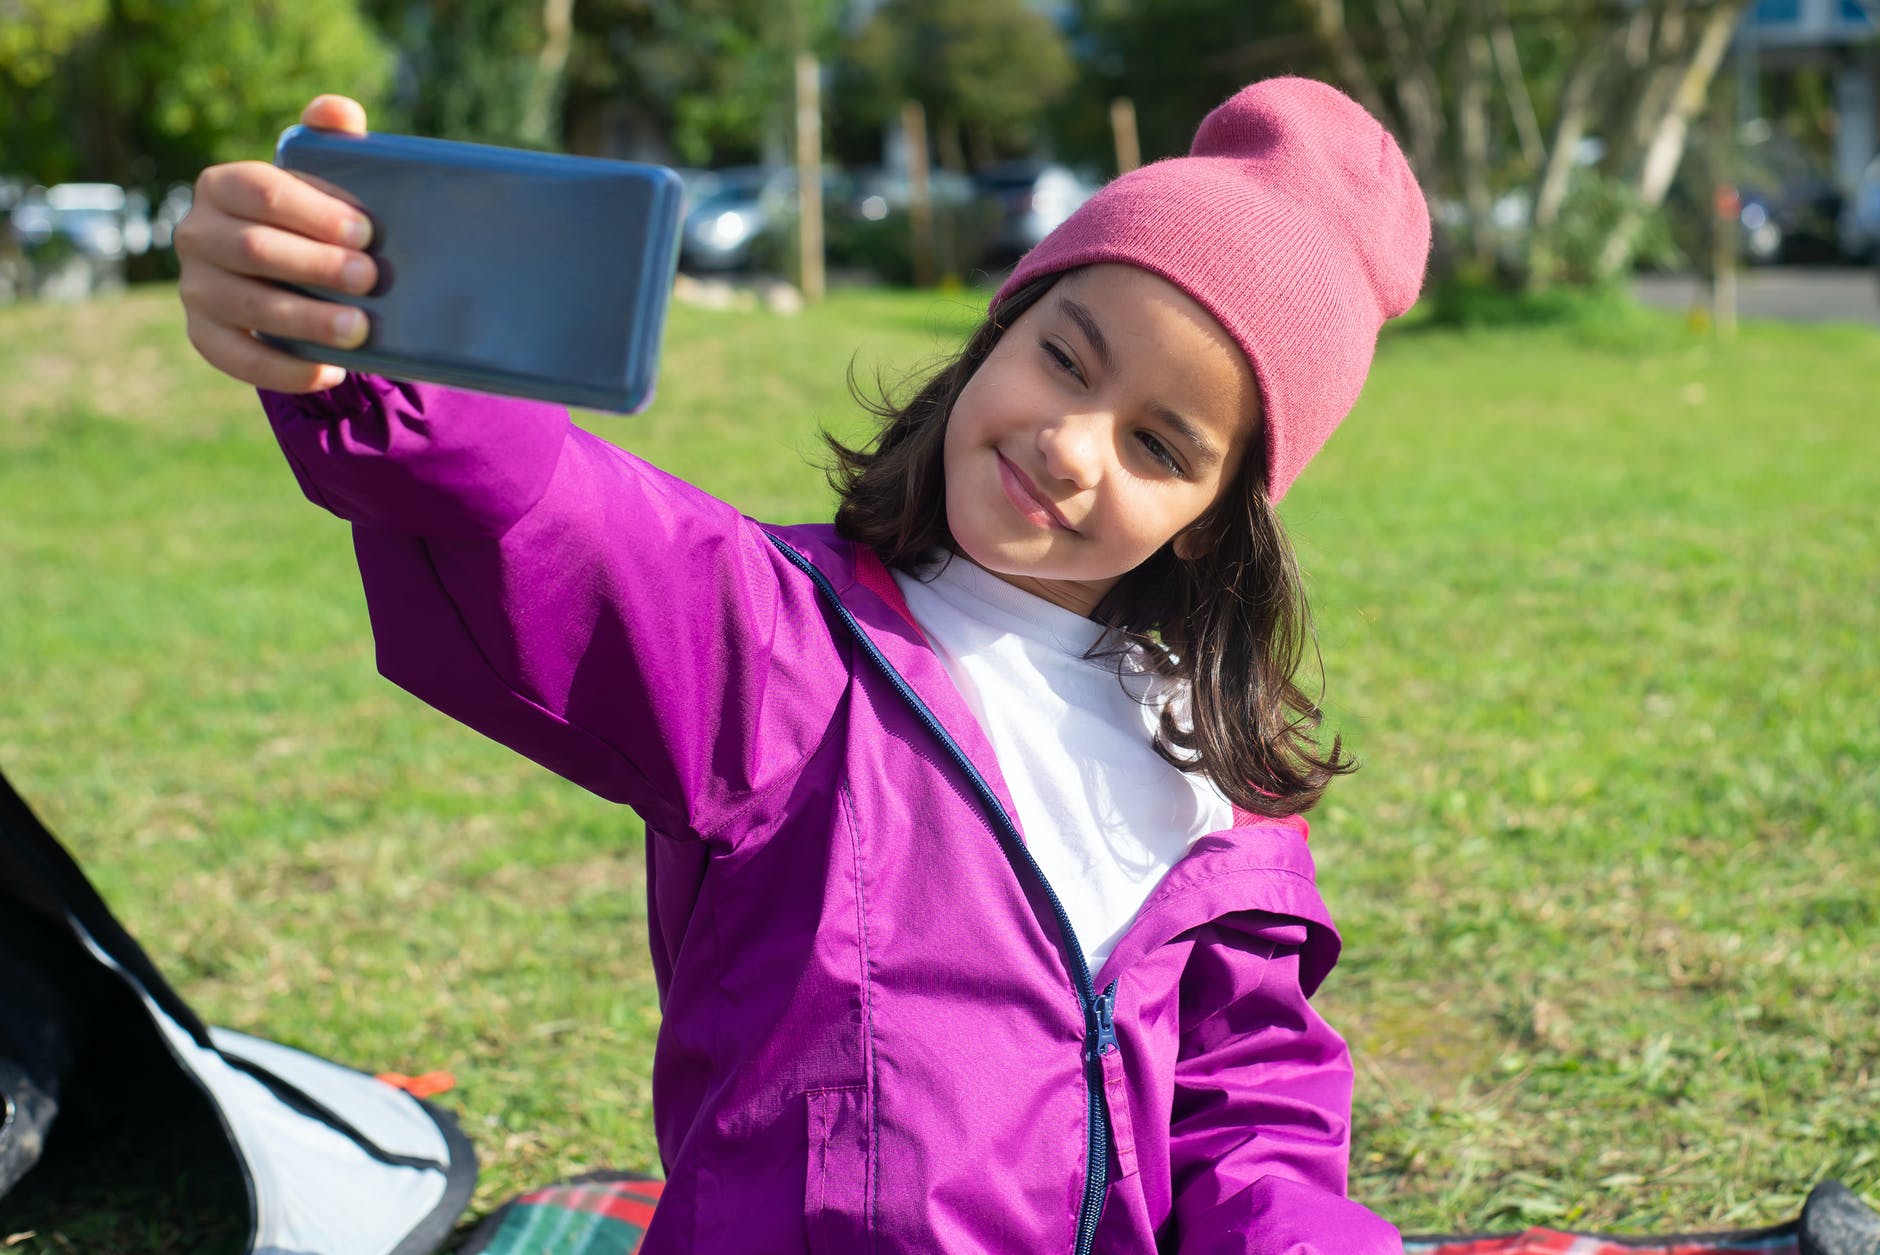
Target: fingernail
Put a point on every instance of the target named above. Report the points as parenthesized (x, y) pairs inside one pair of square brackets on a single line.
[(356, 274), (349, 328), (356, 233)]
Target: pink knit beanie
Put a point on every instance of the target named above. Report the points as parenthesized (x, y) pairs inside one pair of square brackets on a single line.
[(1294, 220)]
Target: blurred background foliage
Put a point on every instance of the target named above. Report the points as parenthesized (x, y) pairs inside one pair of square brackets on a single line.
[(1548, 133), (985, 71), (141, 92)]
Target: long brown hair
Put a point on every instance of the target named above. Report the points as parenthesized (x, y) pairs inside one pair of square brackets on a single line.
[(1231, 623)]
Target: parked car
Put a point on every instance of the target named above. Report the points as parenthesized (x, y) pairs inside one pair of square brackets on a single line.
[(1787, 225), (1033, 198), (730, 209), (1788, 204), (170, 212), (16, 273), (1791, 207), (76, 236), (873, 228), (743, 215), (1860, 222)]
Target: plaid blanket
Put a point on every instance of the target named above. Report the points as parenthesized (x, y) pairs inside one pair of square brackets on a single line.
[(603, 1213), (1780, 1240), (1834, 1221), (606, 1213)]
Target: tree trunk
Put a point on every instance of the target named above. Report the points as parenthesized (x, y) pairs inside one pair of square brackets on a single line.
[(1669, 131), (1555, 178), (948, 141), (1328, 23), (541, 122), (1418, 124), (1646, 49), (920, 203), (1418, 89), (1527, 123), (103, 130), (1658, 86), (809, 199), (1473, 69)]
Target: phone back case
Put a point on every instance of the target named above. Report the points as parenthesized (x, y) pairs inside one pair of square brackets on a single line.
[(502, 270)]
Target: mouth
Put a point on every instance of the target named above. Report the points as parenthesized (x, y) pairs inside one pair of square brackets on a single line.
[(1027, 499)]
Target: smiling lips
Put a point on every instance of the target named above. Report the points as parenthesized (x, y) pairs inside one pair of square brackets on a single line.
[(1026, 498)]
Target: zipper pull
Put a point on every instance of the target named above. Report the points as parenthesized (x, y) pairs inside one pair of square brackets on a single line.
[(1101, 1039)]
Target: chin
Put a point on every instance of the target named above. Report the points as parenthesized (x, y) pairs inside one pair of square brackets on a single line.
[(1014, 562), (1004, 556)]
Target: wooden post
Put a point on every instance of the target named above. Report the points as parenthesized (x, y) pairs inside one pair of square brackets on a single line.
[(920, 197), (541, 122), (1725, 213), (1123, 126), (809, 213)]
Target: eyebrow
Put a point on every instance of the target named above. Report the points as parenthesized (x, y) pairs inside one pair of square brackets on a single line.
[(1077, 312), (1087, 323), (1205, 452)]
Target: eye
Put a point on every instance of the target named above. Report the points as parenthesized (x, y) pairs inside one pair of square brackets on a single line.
[(1061, 360), (1159, 452)]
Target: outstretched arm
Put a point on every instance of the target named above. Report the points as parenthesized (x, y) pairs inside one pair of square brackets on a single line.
[(608, 621), (611, 622)]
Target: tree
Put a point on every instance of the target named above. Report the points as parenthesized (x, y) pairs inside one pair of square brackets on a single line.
[(488, 71), (1470, 103), (985, 70), (149, 91), (707, 81), (1175, 59), (37, 38)]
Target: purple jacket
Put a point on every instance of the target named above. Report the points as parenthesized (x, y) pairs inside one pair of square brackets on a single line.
[(877, 1036)]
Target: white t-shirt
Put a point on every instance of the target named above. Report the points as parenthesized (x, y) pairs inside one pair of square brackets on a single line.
[(1104, 815)]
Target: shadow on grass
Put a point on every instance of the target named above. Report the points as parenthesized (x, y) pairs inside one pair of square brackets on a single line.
[(142, 1181)]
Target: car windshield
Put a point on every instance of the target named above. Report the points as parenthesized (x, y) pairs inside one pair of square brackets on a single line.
[(734, 186), (727, 199), (77, 219)]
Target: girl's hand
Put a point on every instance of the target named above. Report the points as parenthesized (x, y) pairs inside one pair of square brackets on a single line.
[(252, 222)]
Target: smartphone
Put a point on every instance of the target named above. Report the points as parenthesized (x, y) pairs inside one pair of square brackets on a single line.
[(502, 270)]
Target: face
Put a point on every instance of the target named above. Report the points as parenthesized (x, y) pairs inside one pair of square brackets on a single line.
[(1106, 421)]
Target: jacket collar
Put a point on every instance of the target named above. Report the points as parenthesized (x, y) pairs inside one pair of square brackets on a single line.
[(1259, 866), (867, 588)]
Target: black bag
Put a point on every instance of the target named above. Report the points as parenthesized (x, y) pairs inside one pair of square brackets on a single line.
[(110, 1085)]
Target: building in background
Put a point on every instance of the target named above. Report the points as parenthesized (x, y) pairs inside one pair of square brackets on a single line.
[(1841, 37)]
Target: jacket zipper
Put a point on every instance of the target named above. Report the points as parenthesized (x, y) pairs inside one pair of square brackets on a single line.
[(1099, 1010)]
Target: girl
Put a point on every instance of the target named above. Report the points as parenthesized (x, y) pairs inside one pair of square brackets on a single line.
[(980, 903)]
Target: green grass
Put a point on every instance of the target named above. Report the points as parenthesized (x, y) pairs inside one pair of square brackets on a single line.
[(1600, 614)]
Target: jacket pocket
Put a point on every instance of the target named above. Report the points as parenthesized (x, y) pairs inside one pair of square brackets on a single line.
[(839, 1180)]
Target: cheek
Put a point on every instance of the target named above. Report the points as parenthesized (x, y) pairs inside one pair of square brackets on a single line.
[(1153, 523), (954, 474), (969, 408), (952, 447)]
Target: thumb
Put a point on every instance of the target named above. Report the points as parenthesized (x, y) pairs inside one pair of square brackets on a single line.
[(335, 113)]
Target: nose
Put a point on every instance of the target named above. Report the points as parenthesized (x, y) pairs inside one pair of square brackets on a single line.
[(1073, 446)]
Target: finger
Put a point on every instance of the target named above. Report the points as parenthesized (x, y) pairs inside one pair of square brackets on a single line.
[(335, 113), (234, 301), (236, 353), (264, 252), (259, 192)]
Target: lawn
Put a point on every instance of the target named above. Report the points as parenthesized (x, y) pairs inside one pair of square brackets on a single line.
[(1599, 613)]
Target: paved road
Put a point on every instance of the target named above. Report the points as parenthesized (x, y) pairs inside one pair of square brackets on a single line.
[(1790, 293)]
